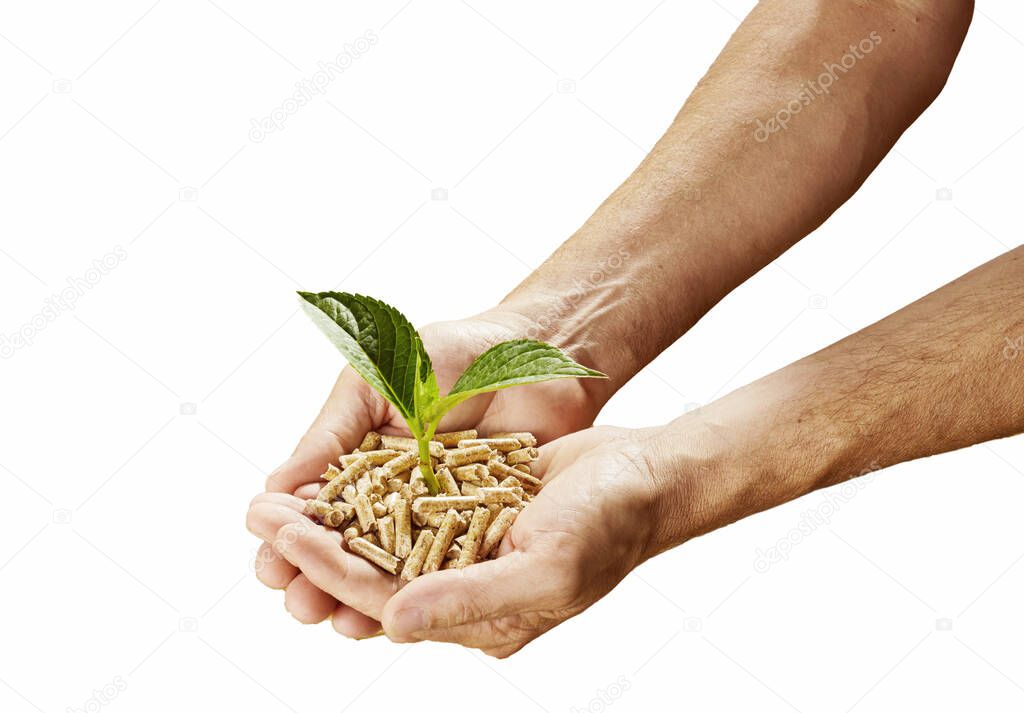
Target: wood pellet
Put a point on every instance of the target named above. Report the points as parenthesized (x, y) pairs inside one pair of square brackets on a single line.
[(380, 503)]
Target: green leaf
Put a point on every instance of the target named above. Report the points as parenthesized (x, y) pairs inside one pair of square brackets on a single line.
[(380, 344), (521, 361)]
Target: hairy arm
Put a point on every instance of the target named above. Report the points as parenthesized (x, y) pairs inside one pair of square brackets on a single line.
[(799, 108), (943, 373)]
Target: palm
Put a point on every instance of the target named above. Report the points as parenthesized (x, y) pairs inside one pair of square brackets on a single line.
[(590, 510), (550, 410), (578, 538)]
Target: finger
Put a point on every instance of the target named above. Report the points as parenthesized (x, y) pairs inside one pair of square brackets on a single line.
[(554, 456), (309, 490), (296, 503), (351, 410), (266, 517), (353, 624), (306, 602), (318, 448), (545, 454), (458, 604), (350, 579), (272, 569)]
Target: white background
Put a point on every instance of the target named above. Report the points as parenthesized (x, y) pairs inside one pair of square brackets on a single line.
[(123, 551)]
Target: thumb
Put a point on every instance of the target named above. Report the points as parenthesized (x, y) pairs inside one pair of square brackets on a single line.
[(457, 605), (350, 411)]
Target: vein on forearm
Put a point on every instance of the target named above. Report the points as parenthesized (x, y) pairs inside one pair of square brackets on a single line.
[(712, 203)]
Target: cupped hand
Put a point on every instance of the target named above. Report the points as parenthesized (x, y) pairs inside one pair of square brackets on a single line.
[(591, 524), (343, 586)]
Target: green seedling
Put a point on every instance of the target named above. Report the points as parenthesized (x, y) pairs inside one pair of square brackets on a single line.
[(384, 348)]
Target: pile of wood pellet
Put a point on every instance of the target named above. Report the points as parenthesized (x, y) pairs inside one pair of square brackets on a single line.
[(379, 501)]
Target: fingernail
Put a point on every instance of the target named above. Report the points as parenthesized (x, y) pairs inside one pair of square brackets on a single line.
[(408, 622), (370, 636)]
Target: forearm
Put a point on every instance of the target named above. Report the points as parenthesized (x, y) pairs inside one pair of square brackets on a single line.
[(943, 373), (719, 197)]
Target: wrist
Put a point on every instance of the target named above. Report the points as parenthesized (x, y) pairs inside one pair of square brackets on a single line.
[(551, 319), (758, 447), (694, 482)]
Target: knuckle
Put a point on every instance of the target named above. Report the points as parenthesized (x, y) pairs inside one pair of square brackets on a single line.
[(461, 611), (340, 562), (511, 633)]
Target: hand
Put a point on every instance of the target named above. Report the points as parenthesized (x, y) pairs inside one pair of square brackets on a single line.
[(591, 524), (354, 601)]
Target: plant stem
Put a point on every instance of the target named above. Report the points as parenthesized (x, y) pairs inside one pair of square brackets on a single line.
[(423, 441)]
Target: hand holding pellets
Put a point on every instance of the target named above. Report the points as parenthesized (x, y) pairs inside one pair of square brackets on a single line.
[(379, 501)]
